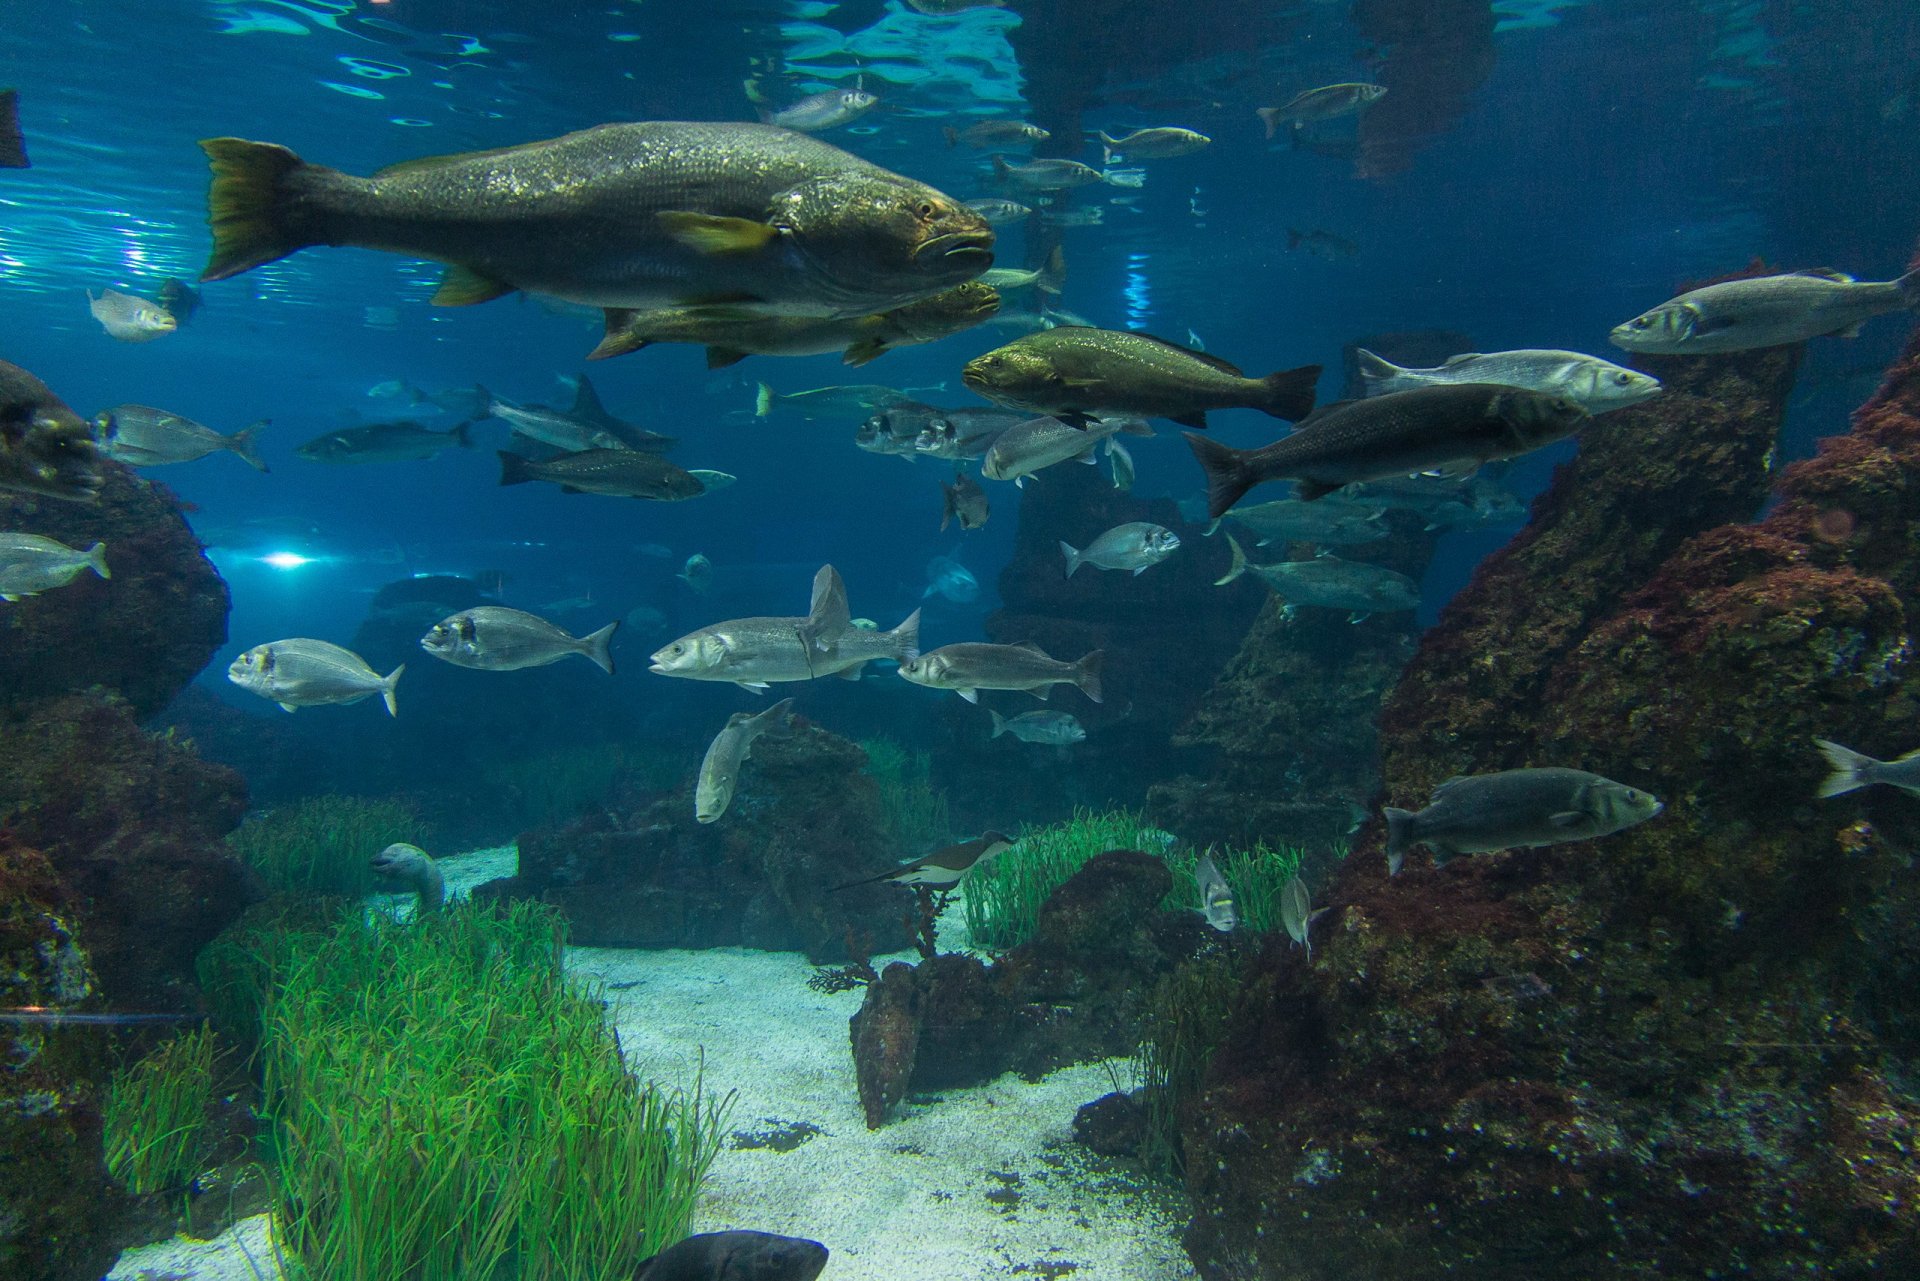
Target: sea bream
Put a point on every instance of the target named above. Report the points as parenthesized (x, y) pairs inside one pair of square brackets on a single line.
[(1055, 729), (1138, 546), (142, 436), (1765, 311), (302, 672), (45, 448), (1039, 443), (1072, 372), (651, 214), (1450, 428), (31, 564), (970, 667), (720, 768), (1599, 385), (494, 638)]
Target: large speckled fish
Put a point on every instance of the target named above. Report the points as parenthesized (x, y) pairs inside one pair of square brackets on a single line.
[(45, 448), (655, 214)]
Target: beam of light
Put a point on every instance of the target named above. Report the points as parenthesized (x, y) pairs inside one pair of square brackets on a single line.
[(286, 560)]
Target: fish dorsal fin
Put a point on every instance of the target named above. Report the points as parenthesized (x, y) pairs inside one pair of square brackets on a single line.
[(828, 616), (1031, 647), (1826, 273), (586, 401), (1461, 359), (1205, 358), (1449, 783)]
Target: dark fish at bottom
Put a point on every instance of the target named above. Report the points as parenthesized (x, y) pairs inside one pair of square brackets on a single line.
[(1452, 428), (736, 1256)]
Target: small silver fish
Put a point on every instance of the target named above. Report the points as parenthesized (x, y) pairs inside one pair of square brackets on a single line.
[(494, 638), (1152, 144), (141, 436), (968, 668), (1045, 175), (826, 110), (720, 768), (1297, 914), (128, 318), (1216, 896), (1137, 545), (1056, 729), (31, 564), (302, 672)]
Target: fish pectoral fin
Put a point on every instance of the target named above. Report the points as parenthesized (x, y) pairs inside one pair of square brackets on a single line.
[(1041, 692), (721, 357), (619, 339), (864, 351), (971, 695), (758, 687), (1567, 819), (1851, 331), (1197, 419), (289, 708), (850, 673), (714, 234), (571, 489), (464, 286)]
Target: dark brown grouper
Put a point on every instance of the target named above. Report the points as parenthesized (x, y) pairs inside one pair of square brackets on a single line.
[(1452, 428), (736, 1256), (13, 147), (1073, 372), (656, 214), (45, 448), (619, 473)]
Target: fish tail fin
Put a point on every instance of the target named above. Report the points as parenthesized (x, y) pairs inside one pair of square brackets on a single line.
[(514, 470), (251, 202), (1239, 565), (1087, 673), (999, 723), (389, 690), (1399, 837), (97, 560), (595, 646), (1289, 393), (1851, 769), (1228, 476), (243, 441), (1909, 287), (1270, 117), (762, 400), (952, 136), (904, 640), (1072, 554)]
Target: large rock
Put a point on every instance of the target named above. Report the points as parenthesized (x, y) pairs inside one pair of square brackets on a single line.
[(805, 819), (1685, 1050), (145, 632)]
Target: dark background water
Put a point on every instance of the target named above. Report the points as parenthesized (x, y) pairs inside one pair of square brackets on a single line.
[(1550, 170)]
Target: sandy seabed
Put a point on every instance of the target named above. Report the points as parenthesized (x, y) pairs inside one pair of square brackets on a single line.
[(979, 1183)]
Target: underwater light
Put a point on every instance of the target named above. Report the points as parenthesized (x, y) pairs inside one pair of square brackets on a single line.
[(286, 560)]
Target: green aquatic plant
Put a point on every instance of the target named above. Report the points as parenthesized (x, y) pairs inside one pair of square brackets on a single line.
[(321, 845), (155, 1115), (1004, 896), (913, 811), (1186, 1019), (445, 1106), (1256, 877)]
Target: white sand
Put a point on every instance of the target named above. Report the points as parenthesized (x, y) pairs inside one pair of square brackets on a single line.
[(984, 1183)]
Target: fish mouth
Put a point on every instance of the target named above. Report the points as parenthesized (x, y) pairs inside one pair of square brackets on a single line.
[(959, 247)]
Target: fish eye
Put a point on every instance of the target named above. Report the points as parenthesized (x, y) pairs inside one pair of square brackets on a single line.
[(1639, 322), (1623, 378), (926, 208)]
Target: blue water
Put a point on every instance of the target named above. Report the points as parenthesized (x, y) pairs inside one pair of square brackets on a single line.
[(1599, 154)]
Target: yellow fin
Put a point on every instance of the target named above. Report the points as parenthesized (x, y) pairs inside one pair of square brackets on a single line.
[(464, 286), (865, 350), (712, 234), (620, 336)]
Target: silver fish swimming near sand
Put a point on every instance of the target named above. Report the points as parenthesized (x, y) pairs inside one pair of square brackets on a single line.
[(944, 868), (1765, 311), (720, 768), (494, 638), (1138, 546), (1596, 384), (1055, 729), (414, 868), (302, 672), (142, 436), (383, 443), (1327, 582), (1854, 770), (128, 318), (650, 214), (753, 652), (970, 667), (1216, 896), (31, 564), (1448, 428), (1515, 809), (736, 1256), (45, 448)]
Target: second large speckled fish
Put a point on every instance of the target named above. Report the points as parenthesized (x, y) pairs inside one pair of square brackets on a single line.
[(653, 214)]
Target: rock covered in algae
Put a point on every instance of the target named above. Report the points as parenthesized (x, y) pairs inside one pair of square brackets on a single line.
[(1685, 1050)]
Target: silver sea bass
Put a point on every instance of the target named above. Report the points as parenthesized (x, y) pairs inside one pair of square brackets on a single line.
[(720, 769), (302, 672), (31, 564), (1854, 770), (1765, 311), (1514, 809), (494, 638), (753, 652), (968, 668), (1595, 384), (1137, 545)]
